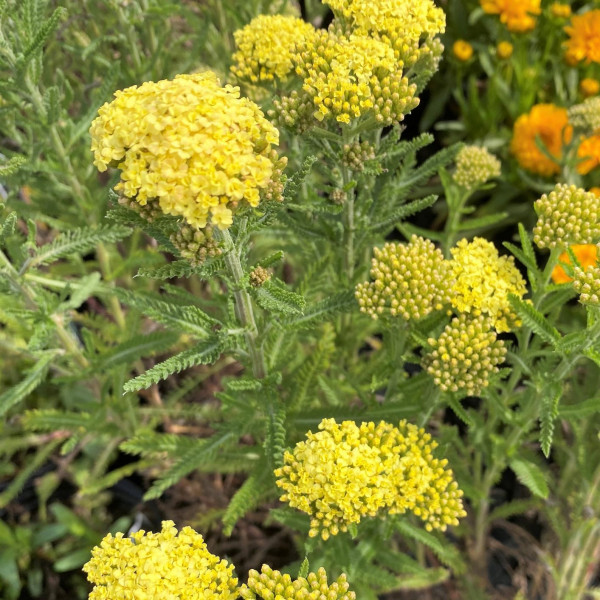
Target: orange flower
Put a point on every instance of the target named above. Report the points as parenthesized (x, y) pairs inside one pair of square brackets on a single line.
[(589, 152), (517, 15), (589, 87), (504, 50), (595, 191), (586, 255), (560, 11), (462, 50), (550, 124), (584, 38)]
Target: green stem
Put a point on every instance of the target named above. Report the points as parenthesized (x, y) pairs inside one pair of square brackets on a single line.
[(243, 304)]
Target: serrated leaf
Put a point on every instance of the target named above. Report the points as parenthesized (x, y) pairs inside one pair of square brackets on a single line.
[(51, 419), (42, 35), (275, 298), (406, 210), (521, 256), (13, 165), (460, 412), (548, 414), (531, 476), (325, 309), (581, 409), (252, 492), (8, 227), (527, 246), (482, 222), (535, 320)]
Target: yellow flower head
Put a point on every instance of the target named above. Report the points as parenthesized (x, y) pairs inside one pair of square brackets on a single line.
[(586, 282), (560, 11), (589, 87), (504, 50), (195, 146), (550, 124), (267, 45), (159, 566), (346, 472), (567, 215), (465, 355), (474, 166), (347, 77), (586, 254), (584, 38), (517, 15), (410, 281), (589, 154), (483, 280), (462, 50), (271, 585)]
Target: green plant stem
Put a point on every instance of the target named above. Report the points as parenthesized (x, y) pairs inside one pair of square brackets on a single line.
[(243, 304), (455, 211)]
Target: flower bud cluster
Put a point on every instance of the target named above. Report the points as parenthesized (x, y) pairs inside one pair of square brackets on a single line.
[(259, 276), (355, 155), (586, 254), (346, 472), (148, 212), (465, 355), (272, 585), (586, 116), (159, 566), (567, 215), (267, 45), (195, 146), (475, 166), (195, 245), (294, 112), (410, 280), (586, 282), (482, 281)]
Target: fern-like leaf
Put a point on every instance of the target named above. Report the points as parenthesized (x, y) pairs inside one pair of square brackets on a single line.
[(274, 443), (50, 419), (293, 184), (531, 476), (549, 413), (402, 212), (535, 320), (150, 443), (13, 165), (8, 227), (276, 298)]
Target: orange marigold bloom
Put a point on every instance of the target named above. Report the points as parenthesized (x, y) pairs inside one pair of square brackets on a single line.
[(589, 87), (462, 50), (517, 15), (595, 191), (589, 152), (586, 255), (504, 50), (584, 38), (561, 11), (549, 123)]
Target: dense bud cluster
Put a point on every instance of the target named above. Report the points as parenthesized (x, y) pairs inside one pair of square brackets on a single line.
[(259, 276), (474, 166), (148, 212), (159, 566), (355, 155), (586, 255), (195, 245), (567, 215), (482, 281), (465, 355), (586, 116), (267, 45), (195, 146), (346, 472), (272, 585), (410, 281), (294, 112), (586, 282)]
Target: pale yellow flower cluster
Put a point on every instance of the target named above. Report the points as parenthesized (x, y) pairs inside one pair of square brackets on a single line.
[(586, 282), (197, 147), (267, 46), (482, 281), (272, 585), (586, 116), (567, 215), (465, 355), (346, 472), (159, 566), (474, 166), (410, 281)]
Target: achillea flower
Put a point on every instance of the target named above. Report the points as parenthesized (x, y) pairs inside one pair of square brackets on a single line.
[(159, 566), (475, 166), (560, 11), (586, 282), (465, 355), (504, 50), (357, 155), (271, 585), (589, 154), (567, 215), (482, 281), (197, 147), (586, 116), (549, 123), (586, 254), (589, 86), (462, 50), (347, 77), (584, 38), (347, 472), (411, 280), (517, 15), (267, 45)]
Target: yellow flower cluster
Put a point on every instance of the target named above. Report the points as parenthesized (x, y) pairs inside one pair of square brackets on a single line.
[(346, 472), (586, 255), (474, 166), (348, 76), (586, 282), (272, 585), (567, 215), (584, 38), (517, 15), (267, 45), (159, 566), (586, 116), (465, 355), (550, 124), (482, 281), (410, 281), (196, 146)]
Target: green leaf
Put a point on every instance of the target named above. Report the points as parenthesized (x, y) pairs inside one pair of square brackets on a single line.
[(13, 165), (549, 412), (72, 560), (8, 227), (482, 222), (51, 419), (341, 302), (406, 210), (521, 256), (276, 298), (42, 35), (292, 185), (536, 321), (581, 409), (9, 575), (252, 492), (460, 412), (205, 352), (423, 580), (527, 246), (531, 476)]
